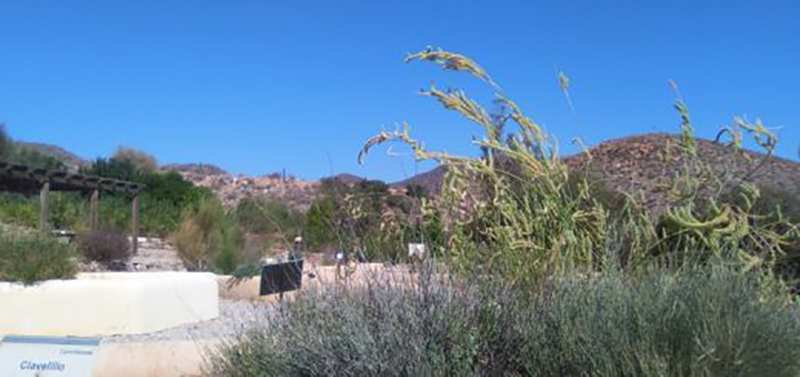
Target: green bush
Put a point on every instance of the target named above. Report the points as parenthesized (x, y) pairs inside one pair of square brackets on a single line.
[(19, 210), (319, 230), (208, 239), (105, 246), (711, 322), (34, 257), (232, 251), (162, 202), (259, 215), (364, 221), (715, 322)]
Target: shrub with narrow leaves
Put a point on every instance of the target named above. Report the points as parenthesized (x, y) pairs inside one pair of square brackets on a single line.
[(716, 322)]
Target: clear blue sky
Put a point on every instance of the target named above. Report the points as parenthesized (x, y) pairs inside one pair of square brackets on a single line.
[(256, 86)]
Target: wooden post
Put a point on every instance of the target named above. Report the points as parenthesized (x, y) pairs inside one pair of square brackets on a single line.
[(95, 220), (44, 206), (135, 224)]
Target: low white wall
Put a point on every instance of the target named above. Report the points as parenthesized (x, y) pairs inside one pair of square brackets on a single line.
[(108, 303), (154, 359)]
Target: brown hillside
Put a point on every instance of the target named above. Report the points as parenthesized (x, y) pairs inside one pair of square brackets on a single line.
[(431, 180), (199, 169), (69, 159), (642, 163)]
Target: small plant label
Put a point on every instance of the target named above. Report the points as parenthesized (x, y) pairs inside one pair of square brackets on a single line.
[(416, 250), (45, 356)]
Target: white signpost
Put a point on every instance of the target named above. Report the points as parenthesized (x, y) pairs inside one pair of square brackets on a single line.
[(46, 356)]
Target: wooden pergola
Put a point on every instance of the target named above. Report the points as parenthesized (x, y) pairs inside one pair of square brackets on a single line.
[(29, 180)]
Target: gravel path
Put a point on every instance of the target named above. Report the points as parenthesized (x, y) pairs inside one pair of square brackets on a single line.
[(234, 317)]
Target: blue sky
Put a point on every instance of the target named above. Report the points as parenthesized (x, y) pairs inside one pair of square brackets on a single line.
[(258, 86)]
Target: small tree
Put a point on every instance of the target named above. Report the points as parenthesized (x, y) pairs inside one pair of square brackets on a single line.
[(6, 146), (140, 160), (199, 236)]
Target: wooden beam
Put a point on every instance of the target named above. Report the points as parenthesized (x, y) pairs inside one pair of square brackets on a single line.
[(95, 208), (44, 206), (135, 225), (21, 178)]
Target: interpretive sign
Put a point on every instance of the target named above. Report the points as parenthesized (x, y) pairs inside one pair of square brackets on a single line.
[(281, 277), (45, 356)]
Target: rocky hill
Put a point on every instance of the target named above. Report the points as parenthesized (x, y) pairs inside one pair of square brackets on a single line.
[(231, 188), (346, 178), (636, 164), (640, 165), (431, 180), (69, 159), (200, 169)]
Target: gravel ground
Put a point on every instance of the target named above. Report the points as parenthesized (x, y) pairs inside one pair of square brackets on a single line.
[(234, 317)]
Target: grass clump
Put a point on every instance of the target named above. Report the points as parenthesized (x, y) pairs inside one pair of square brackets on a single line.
[(712, 322), (32, 257), (715, 322)]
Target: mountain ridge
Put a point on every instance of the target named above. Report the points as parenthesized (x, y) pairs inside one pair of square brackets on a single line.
[(634, 164)]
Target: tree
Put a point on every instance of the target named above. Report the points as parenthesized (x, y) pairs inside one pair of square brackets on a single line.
[(260, 215), (208, 239), (6, 145), (141, 161)]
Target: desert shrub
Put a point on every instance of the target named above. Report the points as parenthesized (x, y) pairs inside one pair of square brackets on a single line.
[(715, 322), (385, 329), (402, 203), (231, 248), (105, 246), (69, 210), (198, 238), (363, 220), (260, 215), (34, 257), (699, 323), (18, 209), (208, 239), (319, 229), (417, 191)]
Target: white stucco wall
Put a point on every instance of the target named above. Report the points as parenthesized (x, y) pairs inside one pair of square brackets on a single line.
[(96, 304)]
